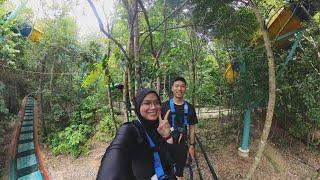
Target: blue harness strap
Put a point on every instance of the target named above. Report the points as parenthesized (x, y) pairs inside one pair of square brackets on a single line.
[(157, 162), (173, 114)]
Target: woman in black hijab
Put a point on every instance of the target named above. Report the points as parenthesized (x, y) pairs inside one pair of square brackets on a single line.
[(141, 148)]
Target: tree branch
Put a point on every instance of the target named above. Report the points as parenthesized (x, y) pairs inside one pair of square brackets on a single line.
[(165, 19), (149, 27), (104, 31), (164, 34)]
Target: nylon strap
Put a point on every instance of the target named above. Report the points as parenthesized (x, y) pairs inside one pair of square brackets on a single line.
[(157, 162), (173, 115)]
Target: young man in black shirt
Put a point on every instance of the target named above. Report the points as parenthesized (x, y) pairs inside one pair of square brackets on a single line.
[(182, 119)]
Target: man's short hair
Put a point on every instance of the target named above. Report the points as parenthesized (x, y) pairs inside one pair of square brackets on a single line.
[(178, 78)]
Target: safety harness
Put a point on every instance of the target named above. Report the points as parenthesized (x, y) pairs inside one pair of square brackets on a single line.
[(156, 158), (174, 127)]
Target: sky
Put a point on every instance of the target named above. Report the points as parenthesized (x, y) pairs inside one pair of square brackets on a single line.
[(81, 10)]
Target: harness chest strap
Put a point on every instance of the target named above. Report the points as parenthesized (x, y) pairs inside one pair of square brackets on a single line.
[(173, 115), (157, 161)]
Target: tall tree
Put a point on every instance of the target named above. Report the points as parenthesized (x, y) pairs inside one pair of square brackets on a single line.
[(272, 90)]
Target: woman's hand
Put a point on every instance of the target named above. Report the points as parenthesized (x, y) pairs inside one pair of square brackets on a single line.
[(164, 128)]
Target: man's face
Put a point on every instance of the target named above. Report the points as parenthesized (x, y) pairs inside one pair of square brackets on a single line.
[(178, 89)]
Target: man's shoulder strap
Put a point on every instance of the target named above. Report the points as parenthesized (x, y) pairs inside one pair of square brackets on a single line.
[(185, 112), (171, 103)]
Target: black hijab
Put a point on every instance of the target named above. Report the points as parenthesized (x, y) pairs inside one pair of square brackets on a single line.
[(147, 124)]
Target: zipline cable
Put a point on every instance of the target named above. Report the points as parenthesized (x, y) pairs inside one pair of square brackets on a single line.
[(213, 173), (190, 168), (198, 168), (35, 72)]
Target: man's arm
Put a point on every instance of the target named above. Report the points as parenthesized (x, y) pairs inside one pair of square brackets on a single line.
[(192, 140), (192, 130)]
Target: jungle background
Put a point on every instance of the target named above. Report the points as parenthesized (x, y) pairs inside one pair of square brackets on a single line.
[(84, 86)]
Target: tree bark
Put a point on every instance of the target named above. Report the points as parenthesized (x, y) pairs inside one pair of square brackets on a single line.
[(194, 52), (131, 6), (272, 92), (110, 101), (104, 31), (125, 94), (51, 91), (41, 85), (155, 54), (136, 46), (193, 68), (164, 94)]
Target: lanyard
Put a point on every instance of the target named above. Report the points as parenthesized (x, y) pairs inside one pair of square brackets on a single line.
[(157, 162)]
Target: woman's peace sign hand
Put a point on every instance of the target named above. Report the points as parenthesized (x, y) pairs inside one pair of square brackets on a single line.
[(164, 127)]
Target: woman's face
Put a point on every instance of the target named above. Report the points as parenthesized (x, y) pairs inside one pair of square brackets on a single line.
[(150, 107)]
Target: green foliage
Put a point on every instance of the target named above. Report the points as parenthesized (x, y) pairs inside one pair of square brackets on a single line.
[(250, 88), (299, 128), (71, 140), (94, 76), (227, 20), (299, 93), (214, 32), (107, 127), (58, 112), (88, 109), (3, 108), (9, 40), (207, 88)]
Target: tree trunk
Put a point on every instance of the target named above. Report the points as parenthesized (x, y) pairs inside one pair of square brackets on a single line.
[(158, 54), (194, 52), (272, 92), (110, 101), (136, 46), (158, 84), (193, 65), (41, 85), (164, 91), (130, 89), (50, 87), (131, 7), (126, 100)]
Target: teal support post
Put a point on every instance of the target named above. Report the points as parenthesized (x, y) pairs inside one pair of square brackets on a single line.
[(290, 55), (244, 149), (294, 48)]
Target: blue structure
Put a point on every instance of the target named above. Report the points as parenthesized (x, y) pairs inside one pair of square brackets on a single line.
[(25, 164)]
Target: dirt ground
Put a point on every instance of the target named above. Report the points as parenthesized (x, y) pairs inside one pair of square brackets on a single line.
[(284, 158), (64, 167)]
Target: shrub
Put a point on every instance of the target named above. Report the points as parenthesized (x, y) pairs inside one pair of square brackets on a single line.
[(71, 140), (107, 127)]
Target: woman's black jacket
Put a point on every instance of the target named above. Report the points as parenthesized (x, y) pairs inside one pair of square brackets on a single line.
[(130, 156)]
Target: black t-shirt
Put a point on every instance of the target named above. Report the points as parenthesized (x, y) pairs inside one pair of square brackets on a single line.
[(179, 111), (181, 148)]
